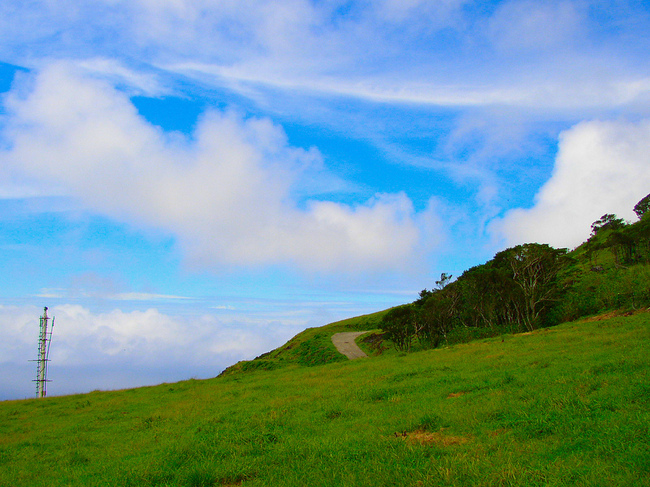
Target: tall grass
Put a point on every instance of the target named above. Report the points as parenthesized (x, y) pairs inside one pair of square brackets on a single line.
[(567, 405)]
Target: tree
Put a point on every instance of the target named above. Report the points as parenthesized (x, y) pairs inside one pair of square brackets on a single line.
[(423, 296), (444, 280), (487, 293), (608, 221), (640, 235), (399, 324), (437, 316), (642, 207), (534, 269), (622, 246)]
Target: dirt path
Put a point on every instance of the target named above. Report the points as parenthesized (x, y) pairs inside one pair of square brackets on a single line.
[(344, 343)]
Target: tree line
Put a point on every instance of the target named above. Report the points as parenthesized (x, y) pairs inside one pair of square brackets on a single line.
[(531, 286)]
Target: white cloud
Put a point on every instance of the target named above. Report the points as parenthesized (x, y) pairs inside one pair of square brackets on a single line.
[(397, 11), (145, 297), (136, 82), (18, 339), (136, 348), (227, 193), (529, 25), (601, 167), (435, 53)]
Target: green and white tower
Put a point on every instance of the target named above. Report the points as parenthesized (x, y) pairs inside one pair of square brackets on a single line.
[(44, 340)]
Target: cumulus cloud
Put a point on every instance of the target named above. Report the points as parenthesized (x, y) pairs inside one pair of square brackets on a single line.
[(228, 193), (84, 338), (601, 167), (125, 349)]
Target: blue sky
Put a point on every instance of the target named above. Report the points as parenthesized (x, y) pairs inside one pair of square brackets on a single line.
[(186, 184)]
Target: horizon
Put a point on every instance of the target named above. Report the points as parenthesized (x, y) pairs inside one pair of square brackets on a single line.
[(185, 185)]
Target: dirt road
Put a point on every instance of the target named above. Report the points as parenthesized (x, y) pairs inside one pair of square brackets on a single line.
[(344, 343)]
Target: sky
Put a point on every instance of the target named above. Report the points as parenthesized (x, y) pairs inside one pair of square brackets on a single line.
[(186, 184)]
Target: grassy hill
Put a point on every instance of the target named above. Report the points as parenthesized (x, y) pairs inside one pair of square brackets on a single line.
[(567, 405), (310, 347)]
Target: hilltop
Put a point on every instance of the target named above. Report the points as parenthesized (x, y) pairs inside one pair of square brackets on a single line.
[(311, 347)]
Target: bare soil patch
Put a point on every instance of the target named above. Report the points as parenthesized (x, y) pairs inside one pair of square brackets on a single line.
[(456, 394), (344, 343), (437, 438)]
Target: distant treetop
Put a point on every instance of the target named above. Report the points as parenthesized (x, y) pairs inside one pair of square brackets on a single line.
[(642, 207), (608, 221)]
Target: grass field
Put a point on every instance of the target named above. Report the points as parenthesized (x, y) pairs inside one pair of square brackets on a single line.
[(568, 405)]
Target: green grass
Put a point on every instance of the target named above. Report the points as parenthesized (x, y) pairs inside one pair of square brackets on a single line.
[(562, 406)]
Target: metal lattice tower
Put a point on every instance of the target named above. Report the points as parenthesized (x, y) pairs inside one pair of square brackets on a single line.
[(44, 340)]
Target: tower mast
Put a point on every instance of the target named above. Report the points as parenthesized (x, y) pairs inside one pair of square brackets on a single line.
[(44, 341)]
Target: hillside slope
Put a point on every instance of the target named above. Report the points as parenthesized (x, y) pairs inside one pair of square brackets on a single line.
[(309, 348), (568, 405)]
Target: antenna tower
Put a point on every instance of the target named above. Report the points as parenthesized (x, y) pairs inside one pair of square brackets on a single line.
[(44, 340)]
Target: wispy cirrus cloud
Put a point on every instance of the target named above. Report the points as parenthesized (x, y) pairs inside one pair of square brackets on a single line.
[(64, 293), (550, 56)]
